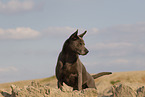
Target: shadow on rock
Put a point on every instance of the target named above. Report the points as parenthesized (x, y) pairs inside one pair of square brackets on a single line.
[(5, 94)]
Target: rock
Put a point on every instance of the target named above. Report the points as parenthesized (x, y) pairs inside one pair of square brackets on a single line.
[(34, 90), (15, 90), (37, 90), (121, 90), (141, 92), (35, 84), (90, 92), (4, 94), (84, 93)]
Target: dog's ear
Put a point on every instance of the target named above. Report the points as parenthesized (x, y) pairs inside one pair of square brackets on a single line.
[(81, 35), (74, 36)]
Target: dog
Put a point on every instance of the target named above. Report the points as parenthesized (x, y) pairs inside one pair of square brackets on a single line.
[(69, 68)]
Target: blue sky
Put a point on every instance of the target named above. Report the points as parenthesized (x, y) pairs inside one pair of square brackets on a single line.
[(32, 33)]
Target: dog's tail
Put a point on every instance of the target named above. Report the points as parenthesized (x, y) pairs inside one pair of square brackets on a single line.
[(101, 74)]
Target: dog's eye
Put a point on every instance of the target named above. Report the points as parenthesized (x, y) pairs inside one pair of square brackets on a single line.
[(81, 44)]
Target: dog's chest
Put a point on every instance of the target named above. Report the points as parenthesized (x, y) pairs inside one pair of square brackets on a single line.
[(69, 72), (69, 68)]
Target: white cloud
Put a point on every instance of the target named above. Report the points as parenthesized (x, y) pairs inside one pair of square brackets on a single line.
[(119, 61), (132, 28), (119, 45), (120, 41), (93, 31), (124, 28), (57, 31), (15, 6), (138, 62), (125, 32), (141, 48), (65, 31), (111, 62), (8, 69), (18, 33), (121, 49)]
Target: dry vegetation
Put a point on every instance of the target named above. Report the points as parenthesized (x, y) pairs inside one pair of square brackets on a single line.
[(118, 84)]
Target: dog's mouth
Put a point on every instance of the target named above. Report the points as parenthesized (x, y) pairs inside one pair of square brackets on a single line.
[(83, 52)]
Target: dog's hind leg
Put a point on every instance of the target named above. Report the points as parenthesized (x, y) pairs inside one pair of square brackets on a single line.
[(91, 83)]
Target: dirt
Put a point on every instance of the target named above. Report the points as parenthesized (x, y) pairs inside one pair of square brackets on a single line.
[(119, 84)]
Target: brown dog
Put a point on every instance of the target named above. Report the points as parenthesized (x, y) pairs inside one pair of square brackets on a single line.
[(70, 69)]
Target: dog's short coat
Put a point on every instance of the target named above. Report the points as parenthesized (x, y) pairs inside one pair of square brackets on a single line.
[(69, 69)]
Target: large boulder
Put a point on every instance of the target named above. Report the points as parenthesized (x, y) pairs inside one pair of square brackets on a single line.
[(37, 90), (33, 90), (121, 90)]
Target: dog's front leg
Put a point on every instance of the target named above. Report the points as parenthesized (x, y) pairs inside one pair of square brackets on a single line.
[(79, 71), (80, 81), (60, 84)]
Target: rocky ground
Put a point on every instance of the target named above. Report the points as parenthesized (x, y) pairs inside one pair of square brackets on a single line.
[(120, 84)]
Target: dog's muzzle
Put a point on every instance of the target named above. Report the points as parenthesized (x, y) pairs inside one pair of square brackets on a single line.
[(84, 52)]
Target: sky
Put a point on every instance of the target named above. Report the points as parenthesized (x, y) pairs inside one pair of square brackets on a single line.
[(32, 33)]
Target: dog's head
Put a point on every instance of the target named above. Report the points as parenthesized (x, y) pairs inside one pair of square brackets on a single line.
[(76, 43)]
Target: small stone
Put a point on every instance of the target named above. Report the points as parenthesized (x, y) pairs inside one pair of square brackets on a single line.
[(141, 92), (90, 92)]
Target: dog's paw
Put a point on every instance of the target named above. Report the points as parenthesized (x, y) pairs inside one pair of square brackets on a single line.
[(62, 89)]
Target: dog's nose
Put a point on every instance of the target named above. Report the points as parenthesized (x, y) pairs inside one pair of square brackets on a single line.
[(86, 51)]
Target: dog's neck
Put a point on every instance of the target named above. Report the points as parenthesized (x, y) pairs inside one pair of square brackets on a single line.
[(70, 57)]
